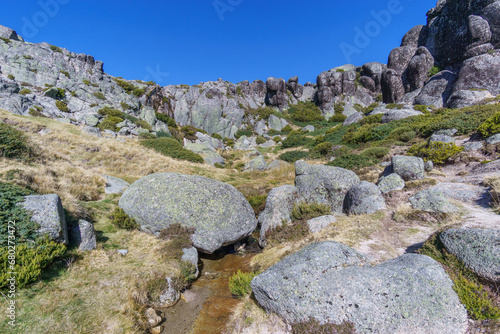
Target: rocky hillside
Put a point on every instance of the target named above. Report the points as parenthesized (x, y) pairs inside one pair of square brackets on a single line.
[(451, 61)]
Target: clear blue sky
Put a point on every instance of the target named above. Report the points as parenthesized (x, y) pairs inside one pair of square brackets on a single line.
[(202, 40)]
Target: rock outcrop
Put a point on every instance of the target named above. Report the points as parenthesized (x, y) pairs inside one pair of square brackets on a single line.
[(218, 212), (48, 212), (324, 184), (478, 249), (332, 283)]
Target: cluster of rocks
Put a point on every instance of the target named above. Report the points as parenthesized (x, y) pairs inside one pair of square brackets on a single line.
[(47, 211), (32, 74), (339, 188), (333, 283)]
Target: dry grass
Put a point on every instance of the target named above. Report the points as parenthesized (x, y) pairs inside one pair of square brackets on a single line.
[(494, 183), (93, 296), (249, 318)]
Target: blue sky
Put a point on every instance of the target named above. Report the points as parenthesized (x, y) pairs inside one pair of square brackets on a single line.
[(186, 42)]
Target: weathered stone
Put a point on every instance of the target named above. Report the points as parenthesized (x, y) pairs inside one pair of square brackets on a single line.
[(83, 235), (354, 118), (478, 249), (153, 318), (276, 164), (91, 120), (409, 168), (431, 200), (92, 131), (115, 185), (48, 212), (472, 146), (415, 36), (256, 164), (464, 192), (390, 183), (168, 297), (495, 139), (428, 166), (190, 255), (309, 128), (213, 158), (279, 206), (331, 283), (319, 223), (364, 198), (397, 114), (418, 69), (277, 123), (392, 86), (438, 138), (324, 184), (218, 212), (437, 90)]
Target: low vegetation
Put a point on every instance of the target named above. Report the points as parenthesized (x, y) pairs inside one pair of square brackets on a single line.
[(476, 298), (14, 144), (313, 326), (239, 283), (172, 148), (121, 220), (129, 87)]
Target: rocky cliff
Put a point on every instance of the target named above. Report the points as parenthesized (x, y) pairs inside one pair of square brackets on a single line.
[(452, 61)]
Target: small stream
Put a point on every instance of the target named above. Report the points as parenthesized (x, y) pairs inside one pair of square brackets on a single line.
[(207, 305)]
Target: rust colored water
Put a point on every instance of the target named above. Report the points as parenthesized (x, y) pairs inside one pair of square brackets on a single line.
[(209, 312)]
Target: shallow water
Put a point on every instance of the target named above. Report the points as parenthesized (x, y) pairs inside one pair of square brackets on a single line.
[(211, 307)]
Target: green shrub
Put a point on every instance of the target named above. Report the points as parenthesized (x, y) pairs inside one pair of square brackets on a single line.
[(121, 220), (436, 152), (339, 107), (293, 156), (305, 211), (189, 132), (62, 106), (228, 142), (6, 40), (277, 139), (163, 134), (216, 136), (466, 284), (55, 49), (434, 70), (351, 161), (143, 124), (287, 129), (25, 91), (296, 139), (239, 283), (11, 77), (35, 113), (172, 148), (147, 135), (421, 108), (313, 326), (241, 133), (337, 118), (10, 196), (372, 119), (258, 203), (394, 106), (375, 152), (13, 143), (99, 95), (491, 126), (31, 259), (306, 112), (107, 111), (404, 134), (165, 119), (109, 123), (129, 88), (126, 106), (260, 140), (65, 73), (324, 148)]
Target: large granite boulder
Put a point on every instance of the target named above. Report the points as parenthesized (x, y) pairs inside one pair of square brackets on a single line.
[(83, 235), (319, 223), (9, 33), (397, 114), (392, 86), (115, 185), (478, 249), (364, 198), (417, 72), (279, 206), (332, 283), (437, 90), (390, 183), (432, 200), (218, 212), (276, 93), (256, 164), (409, 168), (324, 184), (48, 212)]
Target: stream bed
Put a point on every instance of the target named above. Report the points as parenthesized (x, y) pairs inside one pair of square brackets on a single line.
[(206, 306)]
